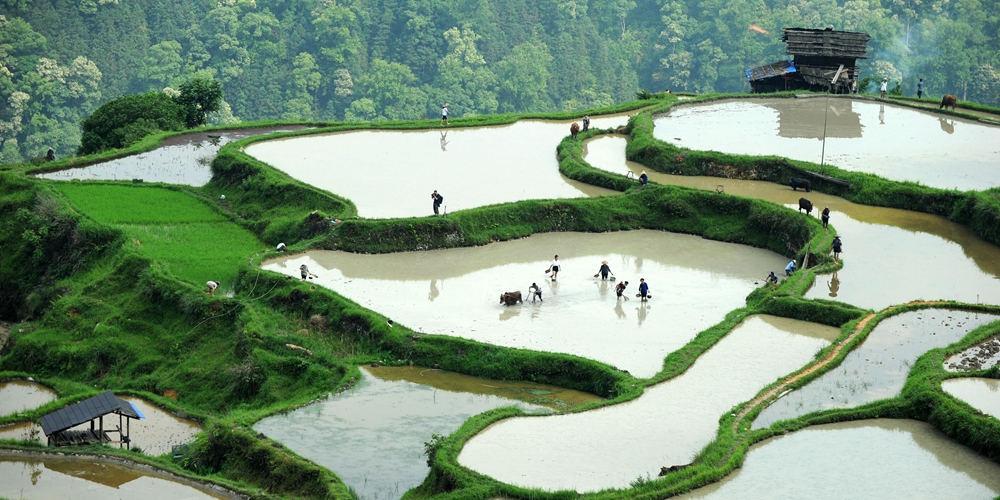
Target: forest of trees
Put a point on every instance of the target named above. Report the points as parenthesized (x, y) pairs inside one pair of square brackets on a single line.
[(392, 59)]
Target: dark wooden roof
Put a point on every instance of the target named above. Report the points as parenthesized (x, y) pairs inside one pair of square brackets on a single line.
[(85, 411), (826, 43), (771, 70)]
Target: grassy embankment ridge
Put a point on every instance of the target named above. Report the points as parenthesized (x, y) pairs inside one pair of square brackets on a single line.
[(251, 328)]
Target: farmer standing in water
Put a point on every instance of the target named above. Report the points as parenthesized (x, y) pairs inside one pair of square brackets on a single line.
[(604, 271), (554, 267)]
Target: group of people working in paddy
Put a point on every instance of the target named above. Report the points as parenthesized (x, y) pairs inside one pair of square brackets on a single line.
[(604, 273)]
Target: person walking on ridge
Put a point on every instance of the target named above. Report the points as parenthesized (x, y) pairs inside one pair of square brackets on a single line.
[(825, 216), (438, 199), (837, 246), (586, 123), (444, 114), (884, 87), (920, 89)]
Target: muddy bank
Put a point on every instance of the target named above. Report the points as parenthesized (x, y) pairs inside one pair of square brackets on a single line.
[(895, 142), (20, 395), (890, 256), (877, 368), (373, 435), (880, 458), (392, 173), (694, 283), (982, 393), (668, 425), (978, 357)]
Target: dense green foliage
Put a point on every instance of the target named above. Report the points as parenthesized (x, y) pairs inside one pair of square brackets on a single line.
[(124, 121), (402, 59)]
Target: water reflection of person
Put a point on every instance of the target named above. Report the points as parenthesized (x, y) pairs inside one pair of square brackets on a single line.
[(947, 125), (619, 311), (643, 309), (434, 291), (833, 285), (881, 114), (444, 140)]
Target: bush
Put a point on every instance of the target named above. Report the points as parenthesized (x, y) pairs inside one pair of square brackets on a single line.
[(123, 121)]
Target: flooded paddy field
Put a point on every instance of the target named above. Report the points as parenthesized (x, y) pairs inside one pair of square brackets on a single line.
[(183, 159), (392, 173), (86, 478), (890, 256), (668, 425), (878, 367), (20, 395), (982, 393), (982, 356), (694, 282), (373, 434), (885, 459), (894, 142)]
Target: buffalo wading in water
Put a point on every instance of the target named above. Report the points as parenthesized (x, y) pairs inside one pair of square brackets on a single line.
[(797, 183), (806, 205), (948, 100), (510, 298), (574, 129)]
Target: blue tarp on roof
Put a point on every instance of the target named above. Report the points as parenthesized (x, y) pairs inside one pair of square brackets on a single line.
[(771, 70)]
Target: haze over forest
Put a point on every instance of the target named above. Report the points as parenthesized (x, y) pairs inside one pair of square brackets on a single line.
[(401, 59)]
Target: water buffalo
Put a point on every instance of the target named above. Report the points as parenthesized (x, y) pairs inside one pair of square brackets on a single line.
[(510, 298), (673, 468), (574, 129), (797, 183), (949, 100), (806, 205)]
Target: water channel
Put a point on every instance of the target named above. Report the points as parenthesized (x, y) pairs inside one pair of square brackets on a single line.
[(392, 173), (20, 395), (944, 260), (694, 282), (373, 435), (668, 425), (894, 142), (884, 459), (877, 368), (982, 393)]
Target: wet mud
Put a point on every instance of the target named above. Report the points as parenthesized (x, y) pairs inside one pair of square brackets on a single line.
[(392, 173), (184, 159), (694, 283), (373, 434), (982, 356), (878, 368), (895, 142), (982, 394), (890, 256), (881, 458), (668, 425), (20, 395)]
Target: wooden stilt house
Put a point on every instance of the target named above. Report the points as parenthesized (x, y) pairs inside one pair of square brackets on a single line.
[(823, 60), (58, 424)]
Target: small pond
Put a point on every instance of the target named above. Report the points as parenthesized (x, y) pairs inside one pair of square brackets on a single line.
[(183, 159), (884, 459), (668, 425), (878, 367), (86, 478), (694, 282), (982, 394), (392, 173), (373, 434), (894, 142), (932, 257), (20, 395)]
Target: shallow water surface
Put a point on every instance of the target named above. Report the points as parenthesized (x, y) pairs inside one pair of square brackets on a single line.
[(890, 256), (183, 159), (981, 356), (982, 393), (878, 367), (84, 479), (895, 142), (694, 283), (667, 425), (373, 434), (392, 173), (884, 459), (20, 395)]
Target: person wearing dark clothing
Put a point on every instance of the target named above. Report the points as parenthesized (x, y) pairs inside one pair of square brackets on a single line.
[(586, 123), (643, 178), (51, 155), (605, 270), (643, 289), (535, 291), (920, 89), (837, 246), (771, 279), (620, 289), (436, 196), (825, 216)]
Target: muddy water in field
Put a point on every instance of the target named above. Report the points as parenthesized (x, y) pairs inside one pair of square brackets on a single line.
[(982, 393), (981, 356), (877, 368), (84, 479), (885, 459), (890, 256), (666, 426), (183, 159), (392, 173), (694, 283), (894, 142), (373, 435), (20, 395)]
